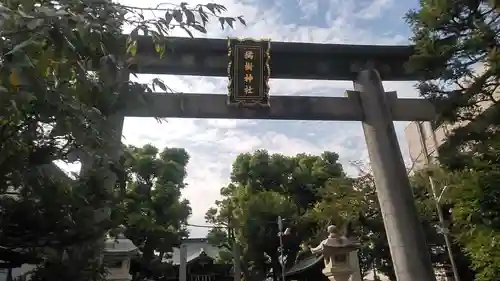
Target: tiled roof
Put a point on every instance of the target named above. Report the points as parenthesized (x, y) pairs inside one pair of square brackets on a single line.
[(195, 246), (120, 245), (304, 264)]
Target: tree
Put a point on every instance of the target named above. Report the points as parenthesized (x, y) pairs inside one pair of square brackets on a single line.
[(223, 239), (457, 57), (475, 220), (427, 206), (469, 203), (264, 187), (354, 200), (251, 218), (152, 210), (50, 222), (59, 66)]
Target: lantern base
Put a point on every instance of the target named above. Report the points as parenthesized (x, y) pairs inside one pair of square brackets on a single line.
[(338, 274)]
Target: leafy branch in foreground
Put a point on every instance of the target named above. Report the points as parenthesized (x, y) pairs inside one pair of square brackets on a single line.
[(60, 84)]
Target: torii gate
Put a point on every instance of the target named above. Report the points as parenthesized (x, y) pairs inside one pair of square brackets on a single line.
[(366, 66)]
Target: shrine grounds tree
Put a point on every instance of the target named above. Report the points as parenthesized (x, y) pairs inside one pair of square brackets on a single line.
[(354, 200), (152, 209), (458, 58), (59, 62), (449, 184), (457, 54), (263, 187), (475, 220), (312, 192), (470, 204)]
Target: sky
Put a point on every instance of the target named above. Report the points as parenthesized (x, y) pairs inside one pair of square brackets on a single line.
[(214, 144)]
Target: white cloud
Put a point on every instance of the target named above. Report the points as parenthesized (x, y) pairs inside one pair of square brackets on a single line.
[(374, 9), (308, 8), (213, 144)]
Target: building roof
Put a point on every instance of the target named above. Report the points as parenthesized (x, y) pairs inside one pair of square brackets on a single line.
[(195, 247), (120, 245), (304, 264)]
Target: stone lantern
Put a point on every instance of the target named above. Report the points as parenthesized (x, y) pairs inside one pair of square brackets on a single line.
[(117, 255), (336, 250)]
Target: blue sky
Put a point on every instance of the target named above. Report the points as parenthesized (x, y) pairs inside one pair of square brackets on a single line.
[(214, 144)]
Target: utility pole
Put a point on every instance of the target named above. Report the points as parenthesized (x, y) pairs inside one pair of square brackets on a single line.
[(281, 233), (237, 262), (437, 201), (183, 262), (235, 250), (444, 229)]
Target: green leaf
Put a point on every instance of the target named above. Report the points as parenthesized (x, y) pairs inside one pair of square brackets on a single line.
[(159, 83), (4, 9), (242, 21), (189, 17), (134, 34), (211, 7), (24, 15), (132, 48), (48, 11), (221, 20), (21, 46), (200, 28), (203, 15), (168, 18), (160, 49), (230, 21), (221, 7), (35, 23), (177, 14)]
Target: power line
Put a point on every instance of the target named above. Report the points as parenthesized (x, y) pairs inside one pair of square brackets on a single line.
[(205, 226), (225, 226)]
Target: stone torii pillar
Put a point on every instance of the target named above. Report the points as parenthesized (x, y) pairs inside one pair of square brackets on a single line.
[(409, 250), (183, 262)]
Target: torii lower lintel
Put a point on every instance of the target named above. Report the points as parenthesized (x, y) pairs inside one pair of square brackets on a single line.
[(283, 108)]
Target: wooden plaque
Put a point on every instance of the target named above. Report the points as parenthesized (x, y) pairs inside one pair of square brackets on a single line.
[(248, 72)]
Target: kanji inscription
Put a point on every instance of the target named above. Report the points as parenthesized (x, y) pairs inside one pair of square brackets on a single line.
[(248, 72)]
